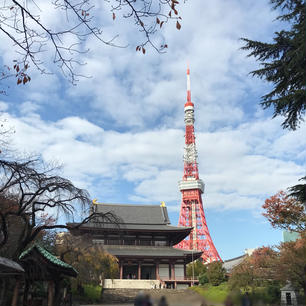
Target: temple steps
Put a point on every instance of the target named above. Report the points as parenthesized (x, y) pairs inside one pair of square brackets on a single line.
[(174, 296)]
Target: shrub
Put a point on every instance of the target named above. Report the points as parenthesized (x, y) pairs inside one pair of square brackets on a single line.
[(215, 273), (203, 279)]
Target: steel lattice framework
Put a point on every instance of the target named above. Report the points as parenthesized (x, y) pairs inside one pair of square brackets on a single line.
[(191, 187)]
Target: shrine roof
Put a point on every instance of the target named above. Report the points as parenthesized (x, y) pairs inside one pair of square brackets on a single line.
[(136, 214), (49, 257), (150, 251), (9, 267)]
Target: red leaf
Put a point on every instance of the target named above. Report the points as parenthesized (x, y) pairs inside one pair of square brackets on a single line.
[(19, 81), (143, 50), (161, 24), (178, 26), (157, 20), (114, 16)]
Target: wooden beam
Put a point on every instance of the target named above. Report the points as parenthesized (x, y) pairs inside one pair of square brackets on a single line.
[(50, 292), (16, 292)]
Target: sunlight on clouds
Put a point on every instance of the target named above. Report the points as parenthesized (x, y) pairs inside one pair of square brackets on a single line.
[(237, 171), (132, 145)]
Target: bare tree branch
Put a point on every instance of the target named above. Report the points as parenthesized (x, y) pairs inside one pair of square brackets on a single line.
[(28, 189), (24, 25)]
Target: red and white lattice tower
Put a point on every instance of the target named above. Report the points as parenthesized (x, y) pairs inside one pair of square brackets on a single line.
[(191, 187)]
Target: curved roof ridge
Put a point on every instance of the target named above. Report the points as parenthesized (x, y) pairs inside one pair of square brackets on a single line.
[(120, 204)]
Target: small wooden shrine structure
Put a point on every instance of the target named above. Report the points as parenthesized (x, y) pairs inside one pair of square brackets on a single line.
[(9, 270), (40, 265)]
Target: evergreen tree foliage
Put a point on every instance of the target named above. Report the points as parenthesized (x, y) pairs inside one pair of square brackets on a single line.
[(283, 63), (215, 273), (203, 279), (299, 191), (196, 268)]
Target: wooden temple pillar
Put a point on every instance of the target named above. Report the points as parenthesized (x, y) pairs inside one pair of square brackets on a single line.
[(139, 270), (16, 292), (157, 269), (185, 272), (50, 292), (172, 269), (120, 269)]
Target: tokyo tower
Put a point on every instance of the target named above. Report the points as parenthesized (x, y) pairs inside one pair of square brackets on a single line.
[(192, 187)]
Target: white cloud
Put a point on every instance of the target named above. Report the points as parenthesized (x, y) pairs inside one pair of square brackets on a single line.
[(28, 108), (3, 106), (132, 145), (235, 164)]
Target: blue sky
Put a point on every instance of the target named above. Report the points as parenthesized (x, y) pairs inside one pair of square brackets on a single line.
[(120, 133)]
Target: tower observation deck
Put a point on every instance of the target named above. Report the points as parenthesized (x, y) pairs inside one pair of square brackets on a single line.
[(192, 187)]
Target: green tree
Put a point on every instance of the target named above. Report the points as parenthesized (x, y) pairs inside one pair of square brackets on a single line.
[(283, 63), (195, 268), (203, 279), (299, 192), (215, 273)]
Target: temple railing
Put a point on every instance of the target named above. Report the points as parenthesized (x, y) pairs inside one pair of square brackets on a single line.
[(179, 278)]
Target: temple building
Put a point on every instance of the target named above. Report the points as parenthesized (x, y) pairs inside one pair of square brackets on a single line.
[(142, 240)]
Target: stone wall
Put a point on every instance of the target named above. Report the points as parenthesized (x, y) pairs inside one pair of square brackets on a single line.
[(131, 284)]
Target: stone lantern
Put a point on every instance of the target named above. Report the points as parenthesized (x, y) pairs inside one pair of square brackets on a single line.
[(289, 295)]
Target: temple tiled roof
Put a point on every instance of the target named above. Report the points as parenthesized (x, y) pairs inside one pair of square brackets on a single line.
[(136, 214), (229, 264), (130, 227), (47, 255), (146, 218), (150, 251)]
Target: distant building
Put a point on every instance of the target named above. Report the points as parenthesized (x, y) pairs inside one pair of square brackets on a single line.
[(290, 236), (143, 243), (229, 264)]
